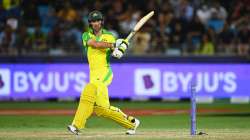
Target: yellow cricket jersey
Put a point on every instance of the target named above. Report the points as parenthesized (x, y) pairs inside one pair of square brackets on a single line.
[(98, 58)]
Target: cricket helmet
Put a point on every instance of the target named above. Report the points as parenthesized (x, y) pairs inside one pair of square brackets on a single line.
[(95, 16)]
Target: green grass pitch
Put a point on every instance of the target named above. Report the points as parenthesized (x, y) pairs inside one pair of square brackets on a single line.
[(218, 125)]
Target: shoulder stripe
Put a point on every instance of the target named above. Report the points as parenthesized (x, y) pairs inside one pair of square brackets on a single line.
[(107, 32)]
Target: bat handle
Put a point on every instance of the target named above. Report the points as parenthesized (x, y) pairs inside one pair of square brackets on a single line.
[(130, 35)]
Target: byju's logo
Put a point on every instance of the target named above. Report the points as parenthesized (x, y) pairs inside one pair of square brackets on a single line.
[(4, 82), (147, 82)]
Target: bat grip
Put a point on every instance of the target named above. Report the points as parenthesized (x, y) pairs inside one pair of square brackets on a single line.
[(130, 35)]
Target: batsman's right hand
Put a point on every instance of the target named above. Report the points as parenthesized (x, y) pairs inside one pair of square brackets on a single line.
[(122, 44), (117, 53)]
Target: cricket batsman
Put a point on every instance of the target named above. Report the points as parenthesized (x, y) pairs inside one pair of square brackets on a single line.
[(99, 45)]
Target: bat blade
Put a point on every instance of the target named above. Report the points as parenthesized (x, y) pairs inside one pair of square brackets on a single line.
[(139, 24), (143, 21)]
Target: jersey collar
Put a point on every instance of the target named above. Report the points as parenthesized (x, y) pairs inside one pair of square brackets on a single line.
[(92, 32)]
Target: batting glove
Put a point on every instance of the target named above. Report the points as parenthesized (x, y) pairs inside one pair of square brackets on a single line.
[(117, 53), (122, 44)]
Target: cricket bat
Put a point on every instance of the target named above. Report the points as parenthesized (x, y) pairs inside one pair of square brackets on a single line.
[(139, 24)]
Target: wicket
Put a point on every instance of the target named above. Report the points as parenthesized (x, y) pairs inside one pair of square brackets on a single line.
[(193, 109)]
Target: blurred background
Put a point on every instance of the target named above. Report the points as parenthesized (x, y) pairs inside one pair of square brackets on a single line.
[(179, 27)]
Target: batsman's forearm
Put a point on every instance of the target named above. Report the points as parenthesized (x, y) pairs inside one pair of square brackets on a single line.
[(100, 44), (104, 45)]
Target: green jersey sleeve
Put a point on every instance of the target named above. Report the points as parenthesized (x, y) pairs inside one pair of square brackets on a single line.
[(85, 38)]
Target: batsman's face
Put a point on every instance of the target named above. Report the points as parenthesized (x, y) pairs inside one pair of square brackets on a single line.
[(96, 25)]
